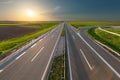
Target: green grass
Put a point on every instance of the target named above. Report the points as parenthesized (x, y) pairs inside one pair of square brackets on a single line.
[(115, 30), (63, 31), (57, 68), (110, 40), (6, 46), (9, 24), (80, 25), (95, 23), (39, 26)]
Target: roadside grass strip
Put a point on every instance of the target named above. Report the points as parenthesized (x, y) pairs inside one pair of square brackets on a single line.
[(106, 38), (115, 30), (109, 32)]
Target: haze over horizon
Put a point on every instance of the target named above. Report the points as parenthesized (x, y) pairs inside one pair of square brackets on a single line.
[(49, 10)]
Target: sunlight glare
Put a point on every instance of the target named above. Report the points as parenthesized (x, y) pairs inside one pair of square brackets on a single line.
[(30, 13)]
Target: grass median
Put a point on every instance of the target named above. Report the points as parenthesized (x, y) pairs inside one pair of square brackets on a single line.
[(57, 70), (8, 45)]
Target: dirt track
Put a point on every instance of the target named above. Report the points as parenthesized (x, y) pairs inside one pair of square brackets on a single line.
[(9, 32)]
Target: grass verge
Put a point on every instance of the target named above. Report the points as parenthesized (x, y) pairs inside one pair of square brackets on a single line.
[(110, 40), (6, 46), (57, 70), (115, 30)]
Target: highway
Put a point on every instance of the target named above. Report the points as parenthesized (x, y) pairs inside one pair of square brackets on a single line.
[(32, 63), (88, 60)]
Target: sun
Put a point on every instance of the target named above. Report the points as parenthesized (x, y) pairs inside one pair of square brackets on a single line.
[(30, 12)]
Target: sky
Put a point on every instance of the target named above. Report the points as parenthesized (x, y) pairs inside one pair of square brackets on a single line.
[(50, 10)]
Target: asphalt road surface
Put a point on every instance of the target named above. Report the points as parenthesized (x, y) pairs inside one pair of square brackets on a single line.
[(33, 62), (87, 59)]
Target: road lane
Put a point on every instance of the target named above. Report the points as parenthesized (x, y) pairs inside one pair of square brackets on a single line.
[(91, 68), (69, 60), (99, 71), (102, 52), (24, 69), (101, 57), (78, 71)]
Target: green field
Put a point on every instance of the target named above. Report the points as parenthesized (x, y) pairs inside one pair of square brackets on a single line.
[(108, 39), (79, 25), (6, 46), (115, 30)]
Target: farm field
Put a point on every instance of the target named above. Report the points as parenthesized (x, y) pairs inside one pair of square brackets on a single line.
[(9, 32), (15, 36)]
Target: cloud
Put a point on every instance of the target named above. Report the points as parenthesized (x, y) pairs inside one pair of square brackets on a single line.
[(6, 2), (57, 8), (44, 12)]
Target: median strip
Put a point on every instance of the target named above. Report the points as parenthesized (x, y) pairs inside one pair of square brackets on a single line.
[(58, 68)]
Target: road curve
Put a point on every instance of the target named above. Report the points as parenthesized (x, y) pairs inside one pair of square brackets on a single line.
[(90, 61), (32, 63)]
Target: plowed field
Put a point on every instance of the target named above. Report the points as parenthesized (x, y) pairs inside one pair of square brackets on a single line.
[(9, 32)]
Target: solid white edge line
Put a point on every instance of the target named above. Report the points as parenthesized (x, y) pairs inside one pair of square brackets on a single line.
[(69, 62), (33, 45), (86, 59), (99, 44), (64, 64), (1, 70), (100, 57), (40, 40), (37, 54), (43, 76), (20, 55)]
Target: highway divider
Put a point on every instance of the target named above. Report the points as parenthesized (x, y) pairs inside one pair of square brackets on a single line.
[(58, 67)]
